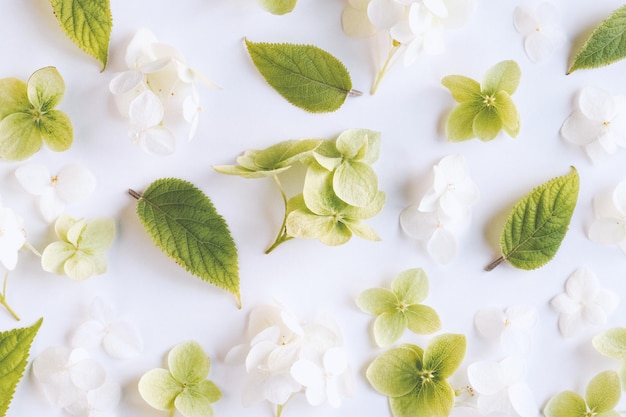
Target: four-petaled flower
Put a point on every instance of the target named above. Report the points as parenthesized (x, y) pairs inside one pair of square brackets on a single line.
[(541, 30), (511, 327), (609, 227)]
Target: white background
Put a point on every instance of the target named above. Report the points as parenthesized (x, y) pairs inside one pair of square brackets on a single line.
[(170, 306)]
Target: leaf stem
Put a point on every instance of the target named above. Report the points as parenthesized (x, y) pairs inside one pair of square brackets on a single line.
[(386, 65), (282, 236), (495, 263), (3, 298), (279, 409), (355, 93), (32, 249), (134, 194)]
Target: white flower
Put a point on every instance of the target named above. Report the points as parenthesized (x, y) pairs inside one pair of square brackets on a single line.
[(118, 338), (599, 123), (583, 302), (511, 327), (355, 21), (146, 117), (609, 226), (12, 237), (99, 402), (541, 30), (438, 233), (70, 185), (502, 388)]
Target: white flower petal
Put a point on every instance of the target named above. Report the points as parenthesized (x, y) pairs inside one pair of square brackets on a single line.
[(581, 283), (87, 374), (106, 397), (596, 104), (412, 51), (88, 335), (522, 316), (126, 81), (146, 110), (459, 12), (50, 206), (525, 20), (523, 400), (385, 13), (279, 388), (50, 363), (579, 129), (465, 412), (607, 231), (490, 322), (547, 14), (607, 300), (511, 370), (74, 182), (594, 315), (237, 355), (569, 324), (138, 50), (158, 141), (35, 178), (539, 46), (604, 205), (335, 361), (442, 246), (122, 341), (485, 377), (563, 303), (619, 197), (258, 354), (498, 403), (437, 7), (595, 151), (434, 41), (417, 224), (308, 374)]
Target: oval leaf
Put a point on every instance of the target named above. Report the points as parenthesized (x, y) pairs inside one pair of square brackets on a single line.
[(184, 224), (307, 76), (87, 23), (605, 45), (14, 349), (278, 7), (537, 225)]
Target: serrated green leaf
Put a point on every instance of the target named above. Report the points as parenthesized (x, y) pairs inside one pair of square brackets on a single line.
[(396, 372), (605, 45), (504, 75), (88, 24), (603, 392), (183, 222), (444, 354), (278, 7), (305, 75), (538, 223), (14, 350), (612, 343), (566, 404)]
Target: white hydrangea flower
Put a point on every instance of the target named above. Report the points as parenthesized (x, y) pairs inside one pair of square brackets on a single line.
[(609, 226), (583, 302), (69, 185), (12, 237), (541, 30), (599, 123), (437, 233), (511, 327), (99, 402)]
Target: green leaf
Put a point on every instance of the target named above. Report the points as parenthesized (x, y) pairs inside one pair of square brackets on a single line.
[(605, 45), (87, 23), (278, 7), (444, 354), (13, 97), (612, 343), (422, 319), (411, 286), (14, 349), (19, 137), (566, 404), (183, 222), (305, 75), (376, 301), (389, 327), (460, 123), (45, 88), (487, 124), (504, 75), (396, 372), (538, 223), (603, 392), (463, 88)]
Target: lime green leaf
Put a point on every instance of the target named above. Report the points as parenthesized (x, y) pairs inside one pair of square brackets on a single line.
[(605, 45), (19, 137), (507, 112), (389, 327), (45, 88), (87, 23), (460, 123), (444, 354), (422, 319), (159, 389), (183, 223), (278, 7), (306, 76), (504, 75), (538, 223), (188, 363), (487, 124), (396, 372), (411, 286), (56, 130), (612, 343), (376, 301), (13, 97), (603, 392), (462, 88), (434, 399), (14, 349), (566, 404)]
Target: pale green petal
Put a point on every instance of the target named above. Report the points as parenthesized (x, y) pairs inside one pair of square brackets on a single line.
[(355, 183), (307, 225), (389, 327), (327, 155), (97, 236), (247, 159), (318, 192), (75, 231), (603, 392), (622, 375), (502, 76), (191, 403), (434, 399), (159, 389), (209, 390), (611, 413), (411, 286), (396, 372), (508, 113), (374, 142), (487, 124), (63, 225), (55, 255), (422, 319), (338, 235), (45, 88), (444, 354), (462, 88), (19, 137), (361, 229), (612, 343), (566, 404), (188, 363), (362, 213), (13, 97), (460, 123), (100, 263), (285, 154), (245, 172), (352, 143), (376, 301), (79, 266), (56, 130)]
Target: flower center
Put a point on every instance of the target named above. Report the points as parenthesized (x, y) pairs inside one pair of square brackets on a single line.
[(489, 101), (427, 376), (606, 123), (54, 179), (507, 322)]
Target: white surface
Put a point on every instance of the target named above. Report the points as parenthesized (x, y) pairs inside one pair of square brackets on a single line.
[(169, 306)]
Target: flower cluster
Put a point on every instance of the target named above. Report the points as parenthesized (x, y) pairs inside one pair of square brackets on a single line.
[(598, 124), (609, 226), (541, 30), (444, 210), (285, 357), (157, 94)]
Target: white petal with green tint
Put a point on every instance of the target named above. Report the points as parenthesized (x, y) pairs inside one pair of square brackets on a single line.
[(79, 266), (191, 403), (612, 343), (55, 255), (97, 235), (188, 363), (356, 183), (504, 75), (352, 143), (45, 88), (159, 389)]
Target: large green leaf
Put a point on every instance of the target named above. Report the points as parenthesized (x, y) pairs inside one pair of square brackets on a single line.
[(605, 45), (538, 223), (183, 223), (278, 7), (87, 23), (14, 350), (603, 392), (307, 76), (612, 343)]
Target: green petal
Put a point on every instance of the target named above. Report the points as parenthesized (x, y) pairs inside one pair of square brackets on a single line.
[(352, 143), (19, 137), (56, 130), (444, 354), (188, 363), (389, 327), (79, 266), (487, 124), (462, 88), (209, 390), (374, 141), (566, 404), (622, 375), (327, 155), (302, 223), (460, 123), (376, 301), (284, 154), (356, 183), (603, 392), (13, 98), (429, 399), (159, 389), (338, 235), (191, 403), (508, 113), (396, 372), (612, 343), (361, 229), (63, 225), (411, 286), (97, 235), (362, 213), (502, 76), (75, 231), (318, 192), (55, 255), (99, 262), (245, 172), (45, 88), (422, 319)]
